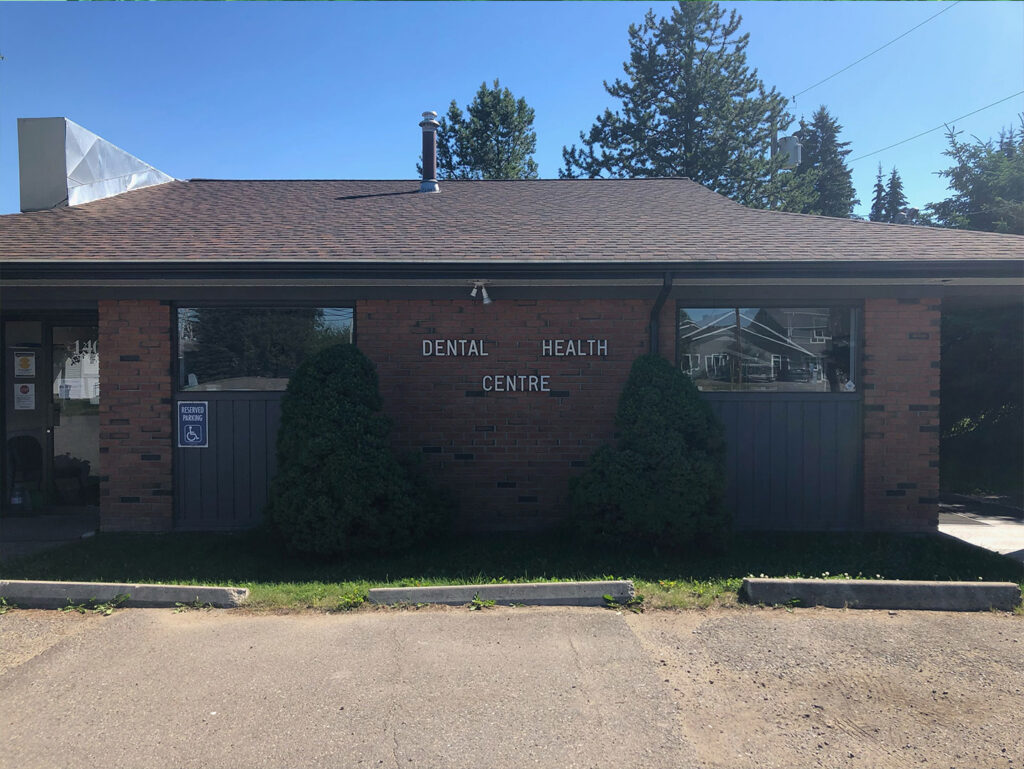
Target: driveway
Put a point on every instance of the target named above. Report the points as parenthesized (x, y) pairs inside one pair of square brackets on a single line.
[(511, 687)]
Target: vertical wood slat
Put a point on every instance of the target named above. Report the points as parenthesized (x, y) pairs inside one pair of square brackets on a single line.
[(258, 449), (849, 472), (222, 426), (829, 505), (811, 451), (794, 473), (241, 422)]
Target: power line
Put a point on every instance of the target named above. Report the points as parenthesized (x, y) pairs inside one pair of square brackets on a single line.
[(862, 58), (942, 125)]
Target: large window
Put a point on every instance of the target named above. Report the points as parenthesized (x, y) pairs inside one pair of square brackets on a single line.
[(247, 348), (768, 349)]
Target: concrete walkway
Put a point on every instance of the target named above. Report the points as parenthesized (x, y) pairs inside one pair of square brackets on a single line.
[(27, 534), (1000, 529)]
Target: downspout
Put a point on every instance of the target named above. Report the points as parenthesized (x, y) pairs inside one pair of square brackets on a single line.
[(666, 286)]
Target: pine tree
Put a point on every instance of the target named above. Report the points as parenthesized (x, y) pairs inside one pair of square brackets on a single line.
[(825, 155), (690, 107), (988, 184), (878, 201), (895, 200), (493, 140)]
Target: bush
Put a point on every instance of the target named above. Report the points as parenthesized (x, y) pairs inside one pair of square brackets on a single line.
[(664, 482), (339, 488)]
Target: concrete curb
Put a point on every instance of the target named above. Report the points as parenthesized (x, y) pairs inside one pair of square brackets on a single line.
[(32, 594), (883, 594), (531, 593)]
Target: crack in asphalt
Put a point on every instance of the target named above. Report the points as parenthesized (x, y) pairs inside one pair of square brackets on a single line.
[(389, 720)]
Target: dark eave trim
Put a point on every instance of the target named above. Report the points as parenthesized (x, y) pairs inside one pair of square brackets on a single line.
[(584, 272)]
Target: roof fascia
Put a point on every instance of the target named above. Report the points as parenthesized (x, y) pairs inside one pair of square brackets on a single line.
[(570, 273)]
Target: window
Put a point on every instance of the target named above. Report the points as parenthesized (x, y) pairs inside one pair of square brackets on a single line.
[(247, 348), (768, 349)]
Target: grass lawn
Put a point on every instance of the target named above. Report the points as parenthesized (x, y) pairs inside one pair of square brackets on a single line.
[(667, 579)]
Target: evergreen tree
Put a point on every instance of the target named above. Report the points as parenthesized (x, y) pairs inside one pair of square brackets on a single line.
[(878, 201), (895, 200), (825, 156), (493, 140), (988, 184), (793, 192), (690, 107)]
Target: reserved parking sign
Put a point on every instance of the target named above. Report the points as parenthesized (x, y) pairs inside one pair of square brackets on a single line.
[(193, 424)]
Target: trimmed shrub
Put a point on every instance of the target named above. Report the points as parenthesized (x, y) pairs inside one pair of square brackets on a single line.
[(339, 488), (664, 482)]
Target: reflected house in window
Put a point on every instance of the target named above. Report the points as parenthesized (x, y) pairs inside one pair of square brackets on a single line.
[(779, 349)]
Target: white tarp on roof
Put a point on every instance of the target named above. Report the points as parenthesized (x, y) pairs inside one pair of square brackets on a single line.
[(97, 169), (63, 163)]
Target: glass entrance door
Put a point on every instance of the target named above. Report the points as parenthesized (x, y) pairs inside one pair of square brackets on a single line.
[(75, 415), (50, 453)]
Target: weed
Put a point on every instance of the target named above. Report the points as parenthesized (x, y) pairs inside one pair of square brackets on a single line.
[(634, 604), (351, 600), (93, 606), (6, 607), (479, 603), (195, 605)]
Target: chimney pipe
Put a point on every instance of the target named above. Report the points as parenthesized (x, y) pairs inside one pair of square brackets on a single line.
[(429, 125)]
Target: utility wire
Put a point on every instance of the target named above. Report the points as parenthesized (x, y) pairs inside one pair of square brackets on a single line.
[(942, 125), (862, 58)]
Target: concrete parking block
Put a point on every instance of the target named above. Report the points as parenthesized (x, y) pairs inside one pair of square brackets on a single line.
[(883, 594), (532, 593), (36, 594)]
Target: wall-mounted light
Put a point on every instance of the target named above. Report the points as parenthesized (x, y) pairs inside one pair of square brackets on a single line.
[(480, 288)]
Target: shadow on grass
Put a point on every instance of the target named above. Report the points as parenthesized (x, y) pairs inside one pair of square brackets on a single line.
[(253, 557)]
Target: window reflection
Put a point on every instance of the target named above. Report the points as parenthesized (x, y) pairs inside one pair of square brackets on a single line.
[(246, 348), (769, 349)]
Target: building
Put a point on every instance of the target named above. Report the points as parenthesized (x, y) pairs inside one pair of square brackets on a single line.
[(502, 318)]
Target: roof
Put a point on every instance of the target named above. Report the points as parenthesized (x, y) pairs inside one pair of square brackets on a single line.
[(469, 222)]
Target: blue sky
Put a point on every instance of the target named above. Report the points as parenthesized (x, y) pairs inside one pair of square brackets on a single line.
[(334, 90)]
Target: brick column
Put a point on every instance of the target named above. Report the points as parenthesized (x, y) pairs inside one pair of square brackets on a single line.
[(135, 416), (901, 414)]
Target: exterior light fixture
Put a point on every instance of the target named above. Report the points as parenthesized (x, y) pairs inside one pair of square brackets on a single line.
[(480, 288)]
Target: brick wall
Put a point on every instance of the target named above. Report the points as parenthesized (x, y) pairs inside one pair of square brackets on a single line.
[(135, 416), (901, 414), (507, 455)]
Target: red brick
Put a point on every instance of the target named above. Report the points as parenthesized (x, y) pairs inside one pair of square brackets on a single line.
[(142, 328)]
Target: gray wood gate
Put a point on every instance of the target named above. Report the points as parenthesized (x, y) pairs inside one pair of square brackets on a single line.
[(793, 460), (225, 486)]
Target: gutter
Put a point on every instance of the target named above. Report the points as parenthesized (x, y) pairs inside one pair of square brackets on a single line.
[(666, 286), (785, 273)]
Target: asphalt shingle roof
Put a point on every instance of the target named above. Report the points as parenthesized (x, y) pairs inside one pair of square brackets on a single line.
[(652, 220)]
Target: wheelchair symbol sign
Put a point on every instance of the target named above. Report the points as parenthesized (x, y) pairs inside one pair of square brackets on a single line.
[(193, 419)]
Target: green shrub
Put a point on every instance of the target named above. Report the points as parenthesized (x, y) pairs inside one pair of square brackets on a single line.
[(664, 481), (339, 488)]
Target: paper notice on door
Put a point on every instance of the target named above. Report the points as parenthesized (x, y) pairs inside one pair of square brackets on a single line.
[(24, 365), (24, 397)]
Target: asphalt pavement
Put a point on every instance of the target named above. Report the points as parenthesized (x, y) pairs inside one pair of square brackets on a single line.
[(499, 688)]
